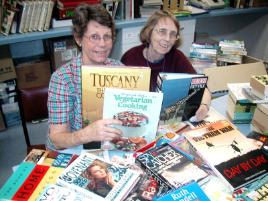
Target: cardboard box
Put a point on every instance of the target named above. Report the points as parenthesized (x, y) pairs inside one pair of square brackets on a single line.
[(63, 51), (218, 77), (33, 74), (7, 70)]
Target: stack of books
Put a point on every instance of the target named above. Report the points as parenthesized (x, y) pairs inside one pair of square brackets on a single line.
[(260, 118), (203, 56), (27, 16), (239, 108), (231, 51)]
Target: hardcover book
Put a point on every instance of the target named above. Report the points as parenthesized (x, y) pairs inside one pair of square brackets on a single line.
[(169, 167), (182, 95), (16, 180), (191, 191), (96, 79), (139, 113), (259, 84), (97, 179), (233, 157)]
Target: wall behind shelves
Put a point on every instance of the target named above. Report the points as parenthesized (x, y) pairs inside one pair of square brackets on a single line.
[(253, 29)]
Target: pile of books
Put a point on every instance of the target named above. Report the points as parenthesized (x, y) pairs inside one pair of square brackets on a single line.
[(26, 16), (239, 108), (230, 51), (203, 56)]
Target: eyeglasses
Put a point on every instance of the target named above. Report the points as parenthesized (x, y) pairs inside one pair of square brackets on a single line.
[(95, 38), (162, 32)]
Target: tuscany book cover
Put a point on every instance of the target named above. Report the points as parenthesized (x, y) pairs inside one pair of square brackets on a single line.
[(96, 78), (139, 113)]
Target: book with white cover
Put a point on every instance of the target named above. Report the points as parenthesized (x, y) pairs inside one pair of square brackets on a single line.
[(232, 156), (98, 179), (139, 112)]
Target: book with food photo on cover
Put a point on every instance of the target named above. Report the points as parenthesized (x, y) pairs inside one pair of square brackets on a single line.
[(97, 179), (139, 113), (94, 81)]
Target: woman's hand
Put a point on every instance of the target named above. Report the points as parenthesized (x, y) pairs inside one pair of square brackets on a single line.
[(202, 112), (101, 130), (110, 179)]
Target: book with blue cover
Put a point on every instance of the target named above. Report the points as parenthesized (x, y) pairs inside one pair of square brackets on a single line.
[(188, 192), (183, 94)]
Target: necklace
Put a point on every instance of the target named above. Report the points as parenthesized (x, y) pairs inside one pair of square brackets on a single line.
[(147, 60)]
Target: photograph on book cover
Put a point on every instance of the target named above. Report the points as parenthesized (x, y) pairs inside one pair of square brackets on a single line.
[(139, 113), (98, 179)]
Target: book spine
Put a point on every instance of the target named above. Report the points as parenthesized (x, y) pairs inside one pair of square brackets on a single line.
[(29, 185), (38, 14), (43, 14), (49, 14), (23, 16), (33, 16), (28, 16), (7, 21)]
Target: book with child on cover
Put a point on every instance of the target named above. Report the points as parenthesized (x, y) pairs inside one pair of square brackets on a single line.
[(139, 113), (232, 156), (97, 179)]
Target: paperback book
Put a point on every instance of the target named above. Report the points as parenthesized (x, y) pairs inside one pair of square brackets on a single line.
[(169, 167), (259, 84), (191, 191), (54, 192), (139, 113), (233, 157), (98, 179), (182, 95)]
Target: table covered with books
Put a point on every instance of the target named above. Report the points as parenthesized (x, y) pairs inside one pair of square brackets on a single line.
[(211, 160)]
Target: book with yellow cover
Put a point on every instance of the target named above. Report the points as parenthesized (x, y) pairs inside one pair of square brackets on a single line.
[(96, 78)]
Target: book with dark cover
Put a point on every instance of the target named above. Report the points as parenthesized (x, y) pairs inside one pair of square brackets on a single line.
[(98, 179), (145, 190), (170, 168), (233, 157), (189, 192), (182, 94)]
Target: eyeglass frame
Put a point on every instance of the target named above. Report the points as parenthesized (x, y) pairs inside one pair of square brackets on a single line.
[(165, 32), (106, 38)]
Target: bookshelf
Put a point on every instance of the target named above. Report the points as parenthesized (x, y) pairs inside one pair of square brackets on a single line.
[(66, 31)]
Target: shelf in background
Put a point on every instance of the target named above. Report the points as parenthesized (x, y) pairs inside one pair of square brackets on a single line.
[(66, 31)]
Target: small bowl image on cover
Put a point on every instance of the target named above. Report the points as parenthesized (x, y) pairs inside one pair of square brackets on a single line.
[(133, 123)]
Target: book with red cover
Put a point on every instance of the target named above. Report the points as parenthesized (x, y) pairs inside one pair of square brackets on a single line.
[(74, 3)]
